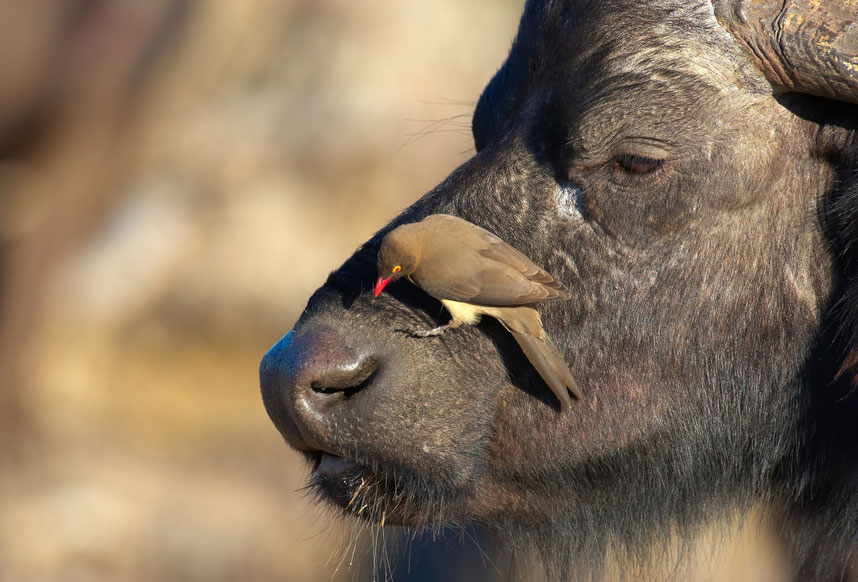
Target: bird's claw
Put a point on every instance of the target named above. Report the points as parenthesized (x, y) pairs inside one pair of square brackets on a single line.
[(430, 332)]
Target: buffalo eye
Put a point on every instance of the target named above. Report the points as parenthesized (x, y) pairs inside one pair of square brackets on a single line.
[(635, 165)]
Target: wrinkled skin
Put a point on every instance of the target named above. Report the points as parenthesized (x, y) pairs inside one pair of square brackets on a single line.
[(641, 159)]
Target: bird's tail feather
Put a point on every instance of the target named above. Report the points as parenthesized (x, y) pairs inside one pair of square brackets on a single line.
[(551, 366)]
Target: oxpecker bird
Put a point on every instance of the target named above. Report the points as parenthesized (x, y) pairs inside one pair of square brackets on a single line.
[(474, 273)]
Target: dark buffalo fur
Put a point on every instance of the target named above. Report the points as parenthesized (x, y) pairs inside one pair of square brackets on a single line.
[(708, 231)]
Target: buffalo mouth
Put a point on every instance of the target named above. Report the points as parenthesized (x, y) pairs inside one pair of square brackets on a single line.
[(372, 494)]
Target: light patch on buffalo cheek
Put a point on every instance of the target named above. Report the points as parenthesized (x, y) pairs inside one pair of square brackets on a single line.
[(570, 201)]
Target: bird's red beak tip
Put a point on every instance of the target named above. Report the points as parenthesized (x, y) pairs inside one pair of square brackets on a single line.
[(380, 284)]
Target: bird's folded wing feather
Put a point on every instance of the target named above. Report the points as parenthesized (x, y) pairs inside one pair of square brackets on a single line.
[(486, 270), (498, 283), (509, 277)]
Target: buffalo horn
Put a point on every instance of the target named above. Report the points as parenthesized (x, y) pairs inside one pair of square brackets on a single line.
[(806, 46)]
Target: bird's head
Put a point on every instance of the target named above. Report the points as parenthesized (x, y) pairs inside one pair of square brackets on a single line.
[(397, 257)]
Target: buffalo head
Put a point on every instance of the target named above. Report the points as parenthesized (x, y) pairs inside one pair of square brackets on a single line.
[(688, 171)]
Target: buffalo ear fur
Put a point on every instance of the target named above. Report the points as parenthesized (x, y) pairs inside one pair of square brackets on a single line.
[(822, 483), (837, 142), (846, 225), (844, 221)]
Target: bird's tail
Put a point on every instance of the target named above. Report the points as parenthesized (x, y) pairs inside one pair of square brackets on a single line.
[(551, 366)]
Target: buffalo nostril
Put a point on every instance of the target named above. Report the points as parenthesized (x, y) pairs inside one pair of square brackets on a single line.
[(326, 370), (306, 376), (338, 377), (323, 373)]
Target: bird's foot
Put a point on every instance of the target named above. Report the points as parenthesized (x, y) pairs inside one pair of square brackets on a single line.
[(436, 331), (430, 332)]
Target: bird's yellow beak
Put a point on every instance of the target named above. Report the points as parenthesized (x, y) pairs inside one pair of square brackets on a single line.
[(380, 284)]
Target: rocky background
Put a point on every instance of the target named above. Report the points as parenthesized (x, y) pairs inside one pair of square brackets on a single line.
[(176, 178)]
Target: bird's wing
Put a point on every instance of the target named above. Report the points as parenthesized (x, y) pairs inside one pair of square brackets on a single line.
[(499, 251), (504, 277), (488, 271), (499, 284)]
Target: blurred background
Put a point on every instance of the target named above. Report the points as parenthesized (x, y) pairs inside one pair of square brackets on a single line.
[(176, 178)]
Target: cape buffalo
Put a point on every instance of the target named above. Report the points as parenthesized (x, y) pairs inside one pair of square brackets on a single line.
[(688, 169)]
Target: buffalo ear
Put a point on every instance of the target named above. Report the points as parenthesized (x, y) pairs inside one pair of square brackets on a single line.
[(844, 219), (849, 369), (811, 47), (804, 46), (850, 363)]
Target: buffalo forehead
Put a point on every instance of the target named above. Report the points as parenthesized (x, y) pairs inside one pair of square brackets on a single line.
[(597, 49)]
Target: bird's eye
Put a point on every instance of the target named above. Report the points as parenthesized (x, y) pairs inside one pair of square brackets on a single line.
[(397, 268)]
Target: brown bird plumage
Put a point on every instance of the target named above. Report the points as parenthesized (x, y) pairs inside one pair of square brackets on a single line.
[(474, 273)]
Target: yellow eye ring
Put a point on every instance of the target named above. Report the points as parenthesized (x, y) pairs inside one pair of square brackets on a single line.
[(397, 268)]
